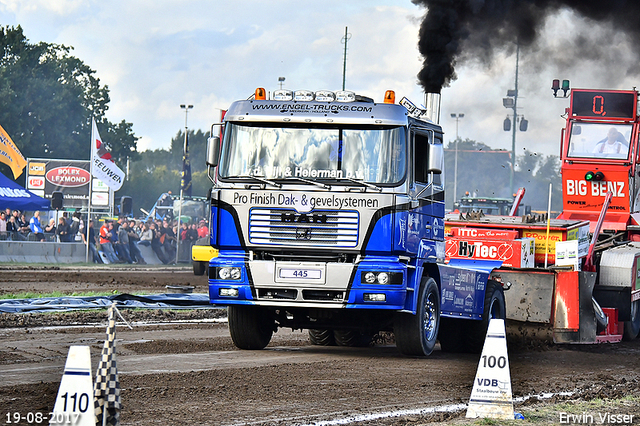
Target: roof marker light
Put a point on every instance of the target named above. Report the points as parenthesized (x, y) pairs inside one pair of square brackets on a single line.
[(390, 97), (325, 96), (345, 96), (261, 95), (303, 95), (282, 95)]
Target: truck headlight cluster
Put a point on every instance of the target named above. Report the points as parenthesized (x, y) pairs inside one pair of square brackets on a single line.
[(381, 277), (229, 273)]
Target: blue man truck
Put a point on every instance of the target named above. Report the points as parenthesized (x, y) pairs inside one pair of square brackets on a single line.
[(327, 209)]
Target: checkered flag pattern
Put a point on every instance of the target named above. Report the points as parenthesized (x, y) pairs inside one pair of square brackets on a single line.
[(107, 387)]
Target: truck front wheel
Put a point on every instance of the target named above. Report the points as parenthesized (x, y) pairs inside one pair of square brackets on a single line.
[(416, 334), (251, 327), (632, 328)]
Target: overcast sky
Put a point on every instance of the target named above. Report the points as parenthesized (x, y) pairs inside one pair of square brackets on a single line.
[(157, 54)]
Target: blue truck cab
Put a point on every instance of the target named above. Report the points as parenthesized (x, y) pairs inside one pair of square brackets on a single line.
[(327, 210)]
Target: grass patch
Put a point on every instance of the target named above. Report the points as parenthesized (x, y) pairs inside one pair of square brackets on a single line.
[(596, 411)]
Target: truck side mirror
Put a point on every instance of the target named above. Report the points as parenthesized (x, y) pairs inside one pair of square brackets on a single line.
[(436, 158), (213, 151)]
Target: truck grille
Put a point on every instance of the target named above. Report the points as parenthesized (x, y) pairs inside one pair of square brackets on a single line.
[(329, 228)]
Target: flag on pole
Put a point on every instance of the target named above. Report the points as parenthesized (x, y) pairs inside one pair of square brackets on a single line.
[(102, 166), (185, 182), (107, 388), (10, 154)]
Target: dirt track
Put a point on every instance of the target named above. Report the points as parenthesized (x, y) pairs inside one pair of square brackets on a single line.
[(190, 373)]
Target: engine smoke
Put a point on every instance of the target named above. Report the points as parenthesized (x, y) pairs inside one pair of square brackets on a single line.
[(454, 31)]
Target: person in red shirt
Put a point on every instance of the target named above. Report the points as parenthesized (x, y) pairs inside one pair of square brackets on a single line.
[(203, 229), (105, 241)]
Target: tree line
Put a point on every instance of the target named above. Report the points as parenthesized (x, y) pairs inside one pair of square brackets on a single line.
[(486, 172)]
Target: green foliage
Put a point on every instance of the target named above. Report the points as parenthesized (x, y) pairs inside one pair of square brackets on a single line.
[(486, 172), (481, 170), (47, 99)]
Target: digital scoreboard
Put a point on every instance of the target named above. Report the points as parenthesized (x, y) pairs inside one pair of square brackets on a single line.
[(604, 104)]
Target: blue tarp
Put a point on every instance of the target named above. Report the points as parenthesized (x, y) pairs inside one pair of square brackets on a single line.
[(156, 301), (16, 197)]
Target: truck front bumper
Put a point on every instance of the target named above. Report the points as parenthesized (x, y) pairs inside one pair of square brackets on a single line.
[(239, 280)]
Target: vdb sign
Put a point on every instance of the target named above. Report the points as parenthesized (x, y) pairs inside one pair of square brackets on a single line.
[(68, 176)]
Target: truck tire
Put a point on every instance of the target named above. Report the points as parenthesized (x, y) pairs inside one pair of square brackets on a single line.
[(416, 334), (321, 337), (494, 307), (199, 268), (251, 327), (451, 335), (632, 328), (354, 339)]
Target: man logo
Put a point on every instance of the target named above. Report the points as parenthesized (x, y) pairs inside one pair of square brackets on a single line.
[(303, 218), (303, 234)]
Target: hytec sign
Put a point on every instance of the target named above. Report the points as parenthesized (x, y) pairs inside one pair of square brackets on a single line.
[(517, 253)]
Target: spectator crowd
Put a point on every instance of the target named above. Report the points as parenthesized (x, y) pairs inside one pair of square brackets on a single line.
[(115, 241)]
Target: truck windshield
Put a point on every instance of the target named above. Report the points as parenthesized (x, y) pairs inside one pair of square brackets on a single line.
[(374, 154), (599, 140)]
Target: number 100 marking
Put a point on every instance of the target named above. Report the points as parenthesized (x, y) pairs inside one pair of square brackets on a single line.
[(492, 361)]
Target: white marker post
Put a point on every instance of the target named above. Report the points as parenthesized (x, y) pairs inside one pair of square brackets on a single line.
[(74, 403), (491, 395)]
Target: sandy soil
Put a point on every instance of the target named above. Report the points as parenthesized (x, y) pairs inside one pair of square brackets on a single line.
[(180, 367)]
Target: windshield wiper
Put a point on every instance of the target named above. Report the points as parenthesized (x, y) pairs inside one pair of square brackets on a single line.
[(363, 183), (263, 180), (312, 182)]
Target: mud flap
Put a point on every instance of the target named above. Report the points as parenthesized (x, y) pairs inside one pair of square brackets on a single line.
[(574, 313)]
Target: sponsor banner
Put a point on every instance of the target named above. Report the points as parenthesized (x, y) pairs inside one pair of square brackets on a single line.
[(36, 168), (99, 198), (305, 202), (497, 234), (68, 176), (103, 166), (99, 186), (35, 182), (514, 253), (10, 154), (585, 196), (71, 177)]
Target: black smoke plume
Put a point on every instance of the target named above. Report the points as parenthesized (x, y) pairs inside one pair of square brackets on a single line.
[(453, 31)]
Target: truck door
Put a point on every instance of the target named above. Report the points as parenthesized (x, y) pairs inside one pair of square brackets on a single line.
[(424, 218)]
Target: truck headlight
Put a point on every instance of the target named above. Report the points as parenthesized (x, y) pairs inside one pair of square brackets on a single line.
[(381, 277), (229, 273)]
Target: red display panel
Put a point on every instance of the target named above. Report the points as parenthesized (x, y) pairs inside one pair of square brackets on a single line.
[(603, 104)]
